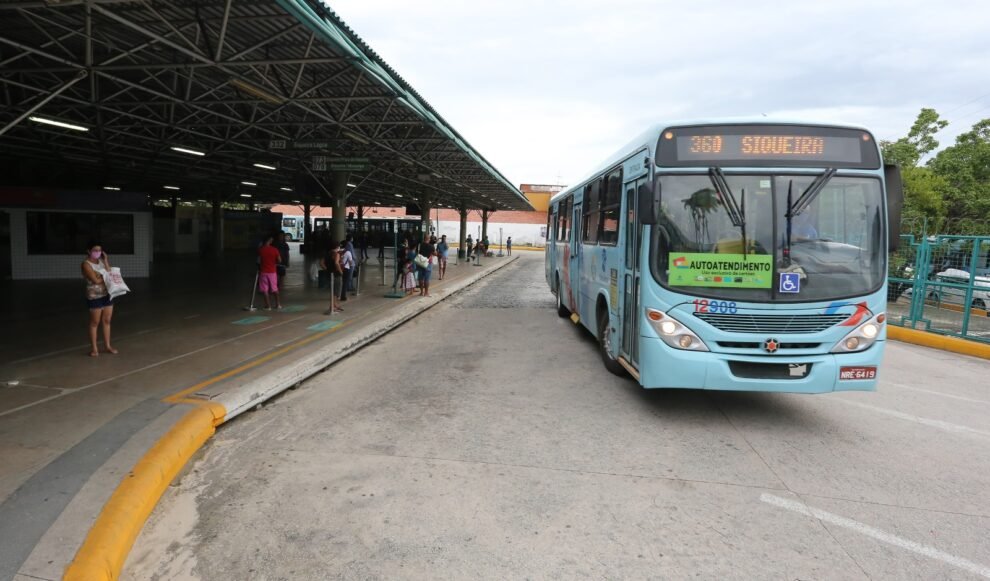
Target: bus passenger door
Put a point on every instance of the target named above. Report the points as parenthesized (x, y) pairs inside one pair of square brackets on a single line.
[(630, 278), (575, 258)]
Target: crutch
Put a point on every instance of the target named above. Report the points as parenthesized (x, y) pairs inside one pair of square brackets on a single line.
[(254, 289)]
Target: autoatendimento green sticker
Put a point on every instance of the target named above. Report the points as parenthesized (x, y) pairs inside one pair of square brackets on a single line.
[(721, 270)]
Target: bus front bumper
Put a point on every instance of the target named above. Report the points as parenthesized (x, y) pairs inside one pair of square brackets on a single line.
[(661, 366)]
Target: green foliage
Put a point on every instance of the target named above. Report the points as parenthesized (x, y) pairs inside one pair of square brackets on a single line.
[(953, 185), (966, 168), (924, 192), (920, 140)]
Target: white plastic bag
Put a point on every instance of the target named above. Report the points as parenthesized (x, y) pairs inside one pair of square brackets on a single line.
[(115, 283)]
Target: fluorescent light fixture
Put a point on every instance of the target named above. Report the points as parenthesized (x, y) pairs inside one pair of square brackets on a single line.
[(171, 187), (398, 195), (378, 203), (61, 124), (296, 202), (245, 195), (435, 174), (256, 92), (286, 189), (264, 166), (352, 185), (189, 151), (356, 137), (111, 188), (249, 183)]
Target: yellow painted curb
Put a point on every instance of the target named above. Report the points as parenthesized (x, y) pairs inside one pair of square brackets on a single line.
[(936, 341), (105, 549)]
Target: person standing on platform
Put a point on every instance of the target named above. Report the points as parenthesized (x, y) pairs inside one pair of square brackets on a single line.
[(442, 250), (468, 248), (347, 263), (428, 250), (98, 297), (269, 259), (508, 245), (330, 262), (283, 252)]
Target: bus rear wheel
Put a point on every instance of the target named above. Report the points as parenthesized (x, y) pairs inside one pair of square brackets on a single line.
[(604, 346), (561, 309)]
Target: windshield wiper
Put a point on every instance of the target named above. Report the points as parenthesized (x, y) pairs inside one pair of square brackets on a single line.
[(804, 200), (809, 194), (736, 212)]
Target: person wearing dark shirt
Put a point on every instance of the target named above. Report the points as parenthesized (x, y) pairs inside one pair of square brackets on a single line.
[(508, 245), (425, 249), (283, 251), (268, 272)]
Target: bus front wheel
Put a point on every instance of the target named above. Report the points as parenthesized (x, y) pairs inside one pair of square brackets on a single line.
[(605, 345)]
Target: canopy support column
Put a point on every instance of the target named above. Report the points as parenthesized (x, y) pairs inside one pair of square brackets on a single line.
[(338, 189), (217, 227), (462, 233)]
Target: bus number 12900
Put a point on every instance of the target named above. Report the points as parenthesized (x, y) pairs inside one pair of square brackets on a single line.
[(707, 306)]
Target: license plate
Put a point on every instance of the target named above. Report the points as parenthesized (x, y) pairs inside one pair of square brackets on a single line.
[(857, 373)]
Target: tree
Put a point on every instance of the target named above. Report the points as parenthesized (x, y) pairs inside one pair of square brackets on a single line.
[(924, 189), (965, 167), (920, 140)]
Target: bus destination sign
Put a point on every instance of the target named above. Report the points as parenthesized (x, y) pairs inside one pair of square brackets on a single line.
[(768, 145), (798, 147)]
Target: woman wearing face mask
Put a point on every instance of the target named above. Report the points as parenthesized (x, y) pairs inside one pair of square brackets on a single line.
[(100, 302)]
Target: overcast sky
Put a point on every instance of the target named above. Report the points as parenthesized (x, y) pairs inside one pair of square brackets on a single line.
[(546, 90)]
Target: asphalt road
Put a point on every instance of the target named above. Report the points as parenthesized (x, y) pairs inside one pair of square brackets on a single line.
[(484, 440)]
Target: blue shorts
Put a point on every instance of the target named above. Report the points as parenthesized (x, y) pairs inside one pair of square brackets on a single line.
[(424, 274), (102, 302)]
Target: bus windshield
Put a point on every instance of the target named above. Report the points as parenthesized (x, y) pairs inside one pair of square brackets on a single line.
[(745, 245)]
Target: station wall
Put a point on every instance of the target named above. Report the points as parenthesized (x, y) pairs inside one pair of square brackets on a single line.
[(522, 234), (25, 265)]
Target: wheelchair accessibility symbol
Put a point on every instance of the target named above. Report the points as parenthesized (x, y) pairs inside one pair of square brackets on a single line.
[(790, 282)]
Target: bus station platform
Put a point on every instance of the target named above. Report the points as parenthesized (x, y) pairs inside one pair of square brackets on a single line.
[(73, 426)]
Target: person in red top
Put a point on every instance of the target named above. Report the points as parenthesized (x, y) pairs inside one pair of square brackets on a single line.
[(269, 257)]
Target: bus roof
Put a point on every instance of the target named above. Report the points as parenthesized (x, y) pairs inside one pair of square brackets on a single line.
[(648, 140)]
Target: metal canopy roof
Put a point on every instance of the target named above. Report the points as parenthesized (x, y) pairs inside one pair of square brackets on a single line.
[(281, 83)]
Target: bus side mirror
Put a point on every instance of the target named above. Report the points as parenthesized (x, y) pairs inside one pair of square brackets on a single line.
[(647, 205), (895, 202)]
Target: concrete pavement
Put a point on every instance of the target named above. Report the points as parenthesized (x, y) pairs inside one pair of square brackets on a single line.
[(72, 426), (487, 441)]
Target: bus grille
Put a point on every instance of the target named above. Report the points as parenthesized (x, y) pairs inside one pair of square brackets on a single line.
[(747, 323)]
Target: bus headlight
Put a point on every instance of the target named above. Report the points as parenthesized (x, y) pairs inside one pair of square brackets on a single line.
[(862, 337), (673, 332)]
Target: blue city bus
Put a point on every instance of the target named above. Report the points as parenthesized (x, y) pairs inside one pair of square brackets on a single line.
[(741, 255)]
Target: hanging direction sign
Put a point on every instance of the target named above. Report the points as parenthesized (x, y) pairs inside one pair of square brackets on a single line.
[(313, 145), (325, 163)]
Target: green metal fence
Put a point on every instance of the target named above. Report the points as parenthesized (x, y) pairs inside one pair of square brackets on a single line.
[(941, 283)]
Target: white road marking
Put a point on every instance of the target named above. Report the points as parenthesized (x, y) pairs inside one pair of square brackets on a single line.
[(71, 390), (946, 426), (949, 395), (884, 537)]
